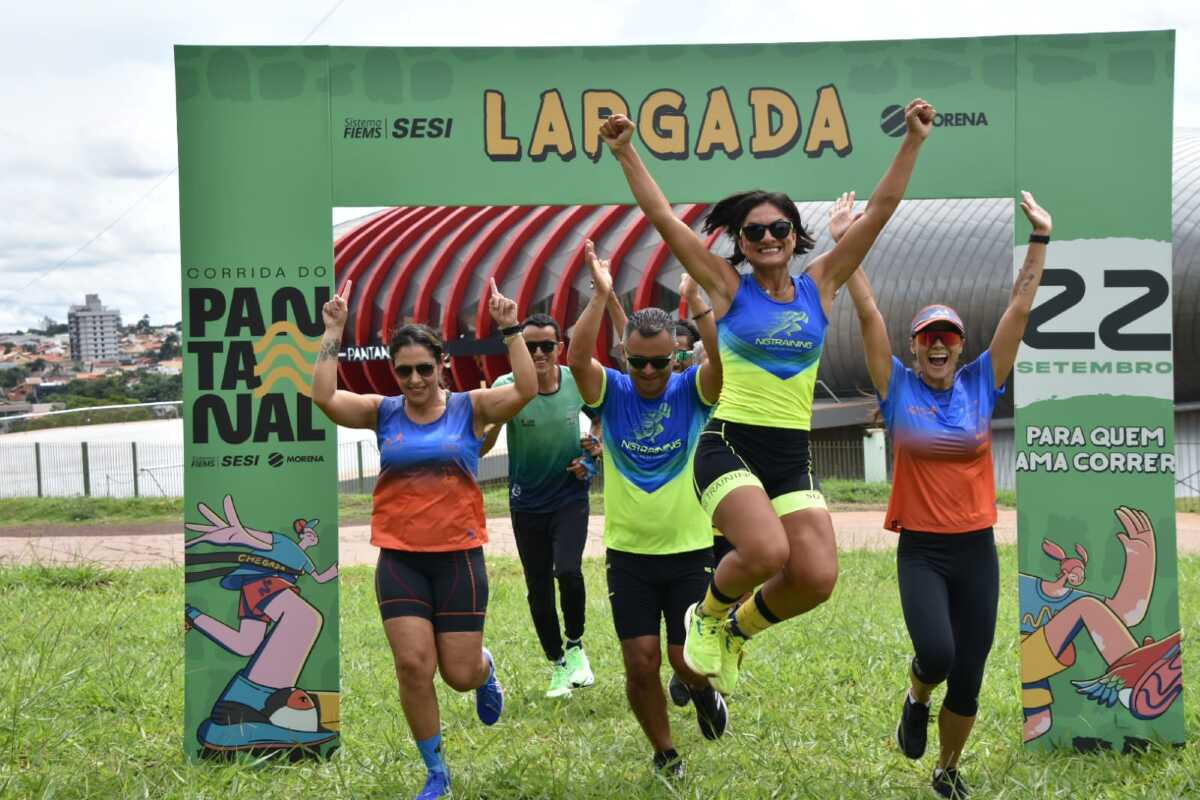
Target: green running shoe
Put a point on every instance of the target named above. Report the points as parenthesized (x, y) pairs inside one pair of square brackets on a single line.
[(731, 662), (579, 669), (560, 681), (702, 647)]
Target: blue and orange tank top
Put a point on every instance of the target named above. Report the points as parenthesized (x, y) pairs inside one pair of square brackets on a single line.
[(942, 476), (427, 497), (770, 352)]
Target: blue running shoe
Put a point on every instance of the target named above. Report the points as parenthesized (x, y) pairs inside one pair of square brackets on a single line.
[(489, 698), (436, 785)]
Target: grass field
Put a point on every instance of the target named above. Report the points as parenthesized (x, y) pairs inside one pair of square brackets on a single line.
[(91, 675), (352, 508)]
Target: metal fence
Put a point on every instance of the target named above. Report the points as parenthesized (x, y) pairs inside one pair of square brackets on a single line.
[(837, 459), (132, 469)]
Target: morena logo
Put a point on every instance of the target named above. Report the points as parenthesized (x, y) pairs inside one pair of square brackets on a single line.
[(275, 459), (891, 121)]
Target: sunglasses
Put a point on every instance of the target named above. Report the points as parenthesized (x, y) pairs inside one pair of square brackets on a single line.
[(755, 231), (425, 370), (638, 363), (948, 338), (545, 347), (683, 355)]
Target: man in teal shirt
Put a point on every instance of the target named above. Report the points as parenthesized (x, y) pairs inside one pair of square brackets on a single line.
[(548, 479)]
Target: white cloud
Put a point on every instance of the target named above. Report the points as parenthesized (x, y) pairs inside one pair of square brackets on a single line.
[(89, 106)]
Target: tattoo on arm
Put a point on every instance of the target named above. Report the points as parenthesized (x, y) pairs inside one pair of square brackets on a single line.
[(329, 350)]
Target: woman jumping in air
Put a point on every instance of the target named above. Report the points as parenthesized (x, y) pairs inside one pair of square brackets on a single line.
[(752, 467)]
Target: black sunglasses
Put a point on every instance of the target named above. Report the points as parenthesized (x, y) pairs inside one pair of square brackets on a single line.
[(638, 363), (545, 347), (754, 231), (424, 369)]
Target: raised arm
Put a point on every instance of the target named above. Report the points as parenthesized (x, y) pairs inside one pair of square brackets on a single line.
[(709, 269), (834, 268), (616, 314), (1011, 328), (711, 373), (500, 403), (876, 345), (348, 409), (587, 371)]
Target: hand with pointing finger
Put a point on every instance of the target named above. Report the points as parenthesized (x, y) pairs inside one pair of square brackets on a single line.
[(503, 310), (335, 311)]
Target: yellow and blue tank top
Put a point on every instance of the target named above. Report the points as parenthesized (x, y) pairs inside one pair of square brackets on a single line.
[(650, 505), (770, 352)]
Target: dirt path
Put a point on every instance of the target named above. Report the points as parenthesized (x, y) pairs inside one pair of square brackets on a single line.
[(143, 545)]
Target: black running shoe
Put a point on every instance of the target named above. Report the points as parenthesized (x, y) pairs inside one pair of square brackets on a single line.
[(947, 783), (711, 712), (680, 694), (668, 764), (911, 732)]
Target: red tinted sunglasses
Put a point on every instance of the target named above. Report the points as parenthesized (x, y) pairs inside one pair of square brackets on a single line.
[(949, 338)]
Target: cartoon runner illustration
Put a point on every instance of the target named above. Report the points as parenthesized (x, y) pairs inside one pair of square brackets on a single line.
[(261, 708), (1144, 678)]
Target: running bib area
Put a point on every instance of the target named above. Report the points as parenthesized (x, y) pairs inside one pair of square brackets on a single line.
[(272, 138)]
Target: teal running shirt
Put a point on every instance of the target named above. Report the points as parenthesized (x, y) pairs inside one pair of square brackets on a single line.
[(543, 439)]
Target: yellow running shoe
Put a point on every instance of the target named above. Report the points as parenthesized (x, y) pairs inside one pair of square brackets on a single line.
[(731, 662), (702, 646)]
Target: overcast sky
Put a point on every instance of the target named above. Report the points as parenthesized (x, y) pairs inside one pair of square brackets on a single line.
[(88, 119)]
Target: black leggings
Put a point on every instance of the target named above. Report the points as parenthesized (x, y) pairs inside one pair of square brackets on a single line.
[(949, 588), (551, 547)]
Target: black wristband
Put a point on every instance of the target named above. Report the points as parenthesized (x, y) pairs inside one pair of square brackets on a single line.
[(702, 314), (511, 330), (1039, 238)]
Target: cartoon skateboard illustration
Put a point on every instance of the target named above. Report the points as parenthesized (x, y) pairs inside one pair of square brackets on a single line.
[(1145, 678), (261, 709)]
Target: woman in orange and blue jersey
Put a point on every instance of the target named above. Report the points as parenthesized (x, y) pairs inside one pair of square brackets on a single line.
[(427, 519)]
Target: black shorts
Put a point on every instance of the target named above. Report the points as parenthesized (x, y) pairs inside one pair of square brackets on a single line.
[(732, 454), (448, 589), (644, 590)]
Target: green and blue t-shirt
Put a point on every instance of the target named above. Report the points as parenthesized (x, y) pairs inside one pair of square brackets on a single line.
[(650, 504), (543, 439)]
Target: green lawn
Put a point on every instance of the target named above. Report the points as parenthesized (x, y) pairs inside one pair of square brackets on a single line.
[(352, 508), (91, 672)]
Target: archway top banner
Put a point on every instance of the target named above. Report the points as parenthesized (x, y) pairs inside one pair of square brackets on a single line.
[(519, 125)]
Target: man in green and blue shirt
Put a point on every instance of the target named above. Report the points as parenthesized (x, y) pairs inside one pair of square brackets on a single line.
[(548, 477), (658, 537)]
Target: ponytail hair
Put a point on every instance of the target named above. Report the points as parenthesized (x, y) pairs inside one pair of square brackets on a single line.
[(731, 212)]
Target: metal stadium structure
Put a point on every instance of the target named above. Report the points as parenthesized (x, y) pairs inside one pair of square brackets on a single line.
[(432, 265)]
